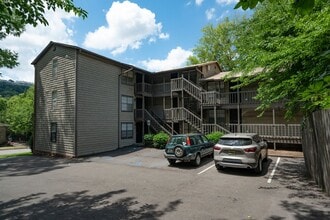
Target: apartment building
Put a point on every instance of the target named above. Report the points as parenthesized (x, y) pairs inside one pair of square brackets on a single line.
[(86, 103)]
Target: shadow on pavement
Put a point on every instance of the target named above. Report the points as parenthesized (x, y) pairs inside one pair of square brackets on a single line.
[(248, 172), (120, 151), (81, 205), (291, 173), (31, 165)]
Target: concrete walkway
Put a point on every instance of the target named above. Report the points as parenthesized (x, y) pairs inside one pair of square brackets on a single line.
[(16, 149)]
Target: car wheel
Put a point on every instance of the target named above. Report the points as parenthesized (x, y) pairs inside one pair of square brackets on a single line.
[(258, 169), (197, 160), (178, 151), (219, 167), (171, 161)]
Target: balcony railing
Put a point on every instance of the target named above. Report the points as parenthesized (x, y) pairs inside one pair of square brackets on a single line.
[(272, 132), (243, 97), (161, 89)]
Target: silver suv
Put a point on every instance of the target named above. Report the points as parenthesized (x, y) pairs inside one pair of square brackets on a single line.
[(240, 150)]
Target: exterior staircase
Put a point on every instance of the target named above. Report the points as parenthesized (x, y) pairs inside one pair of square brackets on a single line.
[(181, 113)]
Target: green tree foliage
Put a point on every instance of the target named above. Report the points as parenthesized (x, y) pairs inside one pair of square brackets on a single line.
[(19, 113), (294, 51), (216, 44), (16, 14), (3, 106), (10, 88), (215, 136), (298, 5)]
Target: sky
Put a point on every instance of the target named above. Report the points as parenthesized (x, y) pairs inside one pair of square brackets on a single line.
[(154, 35)]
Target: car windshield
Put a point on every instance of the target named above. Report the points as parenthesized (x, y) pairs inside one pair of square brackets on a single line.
[(235, 141), (178, 140)]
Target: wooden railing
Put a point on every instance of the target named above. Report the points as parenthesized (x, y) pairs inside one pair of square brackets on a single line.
[(270, 131), (143, 88), (155, 124), (209, 128), (243, 97), (184, 84)]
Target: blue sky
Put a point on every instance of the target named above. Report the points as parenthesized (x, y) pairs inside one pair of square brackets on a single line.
[(151, 34)]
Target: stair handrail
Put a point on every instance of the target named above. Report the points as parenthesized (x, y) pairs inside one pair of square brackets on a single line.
[(162, 122), (192, 119), (150, 117)]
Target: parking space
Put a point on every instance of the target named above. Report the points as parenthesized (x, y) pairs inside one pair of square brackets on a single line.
[(138, 183)]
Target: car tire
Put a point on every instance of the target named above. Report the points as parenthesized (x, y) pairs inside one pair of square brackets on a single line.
[(197, 160), (219, 167), (179, 151), (171, 161), (258, 169)]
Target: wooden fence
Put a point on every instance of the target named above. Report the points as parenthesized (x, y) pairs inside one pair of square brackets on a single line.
[(316, 147)]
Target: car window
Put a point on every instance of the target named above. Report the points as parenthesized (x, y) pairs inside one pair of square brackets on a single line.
[(192, 140), (199, 139), (178, 140), (235, 141), (205, 140)]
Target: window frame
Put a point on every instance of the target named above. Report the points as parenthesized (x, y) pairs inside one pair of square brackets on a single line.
[(127, 106), (126, 133), (54, 67), (53, 132), (54, 99)]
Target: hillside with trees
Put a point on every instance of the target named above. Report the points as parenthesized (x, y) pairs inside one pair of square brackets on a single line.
[(10, 88)]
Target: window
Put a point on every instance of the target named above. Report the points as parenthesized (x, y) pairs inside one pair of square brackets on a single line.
[(126, 130), (126, 103), (127, 79), (54, 67), (54, 99), (53, 132)]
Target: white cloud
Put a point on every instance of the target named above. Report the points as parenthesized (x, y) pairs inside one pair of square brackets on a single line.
[(210, 13), (34, 40), (199, 2), (226, 2), (127, 26), (176, 58)]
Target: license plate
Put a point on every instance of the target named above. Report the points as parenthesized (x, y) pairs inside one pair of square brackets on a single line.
[(231, 152)]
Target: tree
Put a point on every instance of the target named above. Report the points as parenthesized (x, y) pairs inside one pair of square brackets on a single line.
[(19, 112), (216, 44), (294, 51), (299, 5), (16, 14)]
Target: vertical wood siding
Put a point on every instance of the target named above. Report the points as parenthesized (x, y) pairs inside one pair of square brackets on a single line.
[(97, 106), (64, 112)]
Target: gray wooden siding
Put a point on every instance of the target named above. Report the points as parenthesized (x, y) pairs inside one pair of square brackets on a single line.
[(97, 106), (64, 112)]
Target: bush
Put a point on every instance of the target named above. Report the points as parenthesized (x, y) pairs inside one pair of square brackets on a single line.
[(148, 139), (160, 140), (215, 136)]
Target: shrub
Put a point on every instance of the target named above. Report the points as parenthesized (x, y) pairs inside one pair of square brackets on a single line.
[(214, 136), (160, 140), (148, 139)]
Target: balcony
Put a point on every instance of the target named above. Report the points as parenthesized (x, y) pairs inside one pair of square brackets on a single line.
[(153, 90), (229, 98)]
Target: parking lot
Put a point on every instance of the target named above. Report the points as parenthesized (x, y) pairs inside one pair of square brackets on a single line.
[(138, 183)]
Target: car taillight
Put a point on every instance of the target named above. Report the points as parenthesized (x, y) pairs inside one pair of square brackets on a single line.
[(250, 150), (188, 141), (216, 147)]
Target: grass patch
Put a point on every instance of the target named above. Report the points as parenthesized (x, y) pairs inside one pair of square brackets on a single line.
[(16, 155)]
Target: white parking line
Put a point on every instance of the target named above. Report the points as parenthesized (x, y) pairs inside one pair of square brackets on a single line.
[(206, 169), (273, 172)]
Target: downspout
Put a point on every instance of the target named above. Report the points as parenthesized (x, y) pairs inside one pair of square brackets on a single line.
[(34, 110), (119, 101), (76, 108)]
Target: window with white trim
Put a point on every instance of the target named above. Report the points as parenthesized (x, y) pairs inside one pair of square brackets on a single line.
[(126, 130)]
